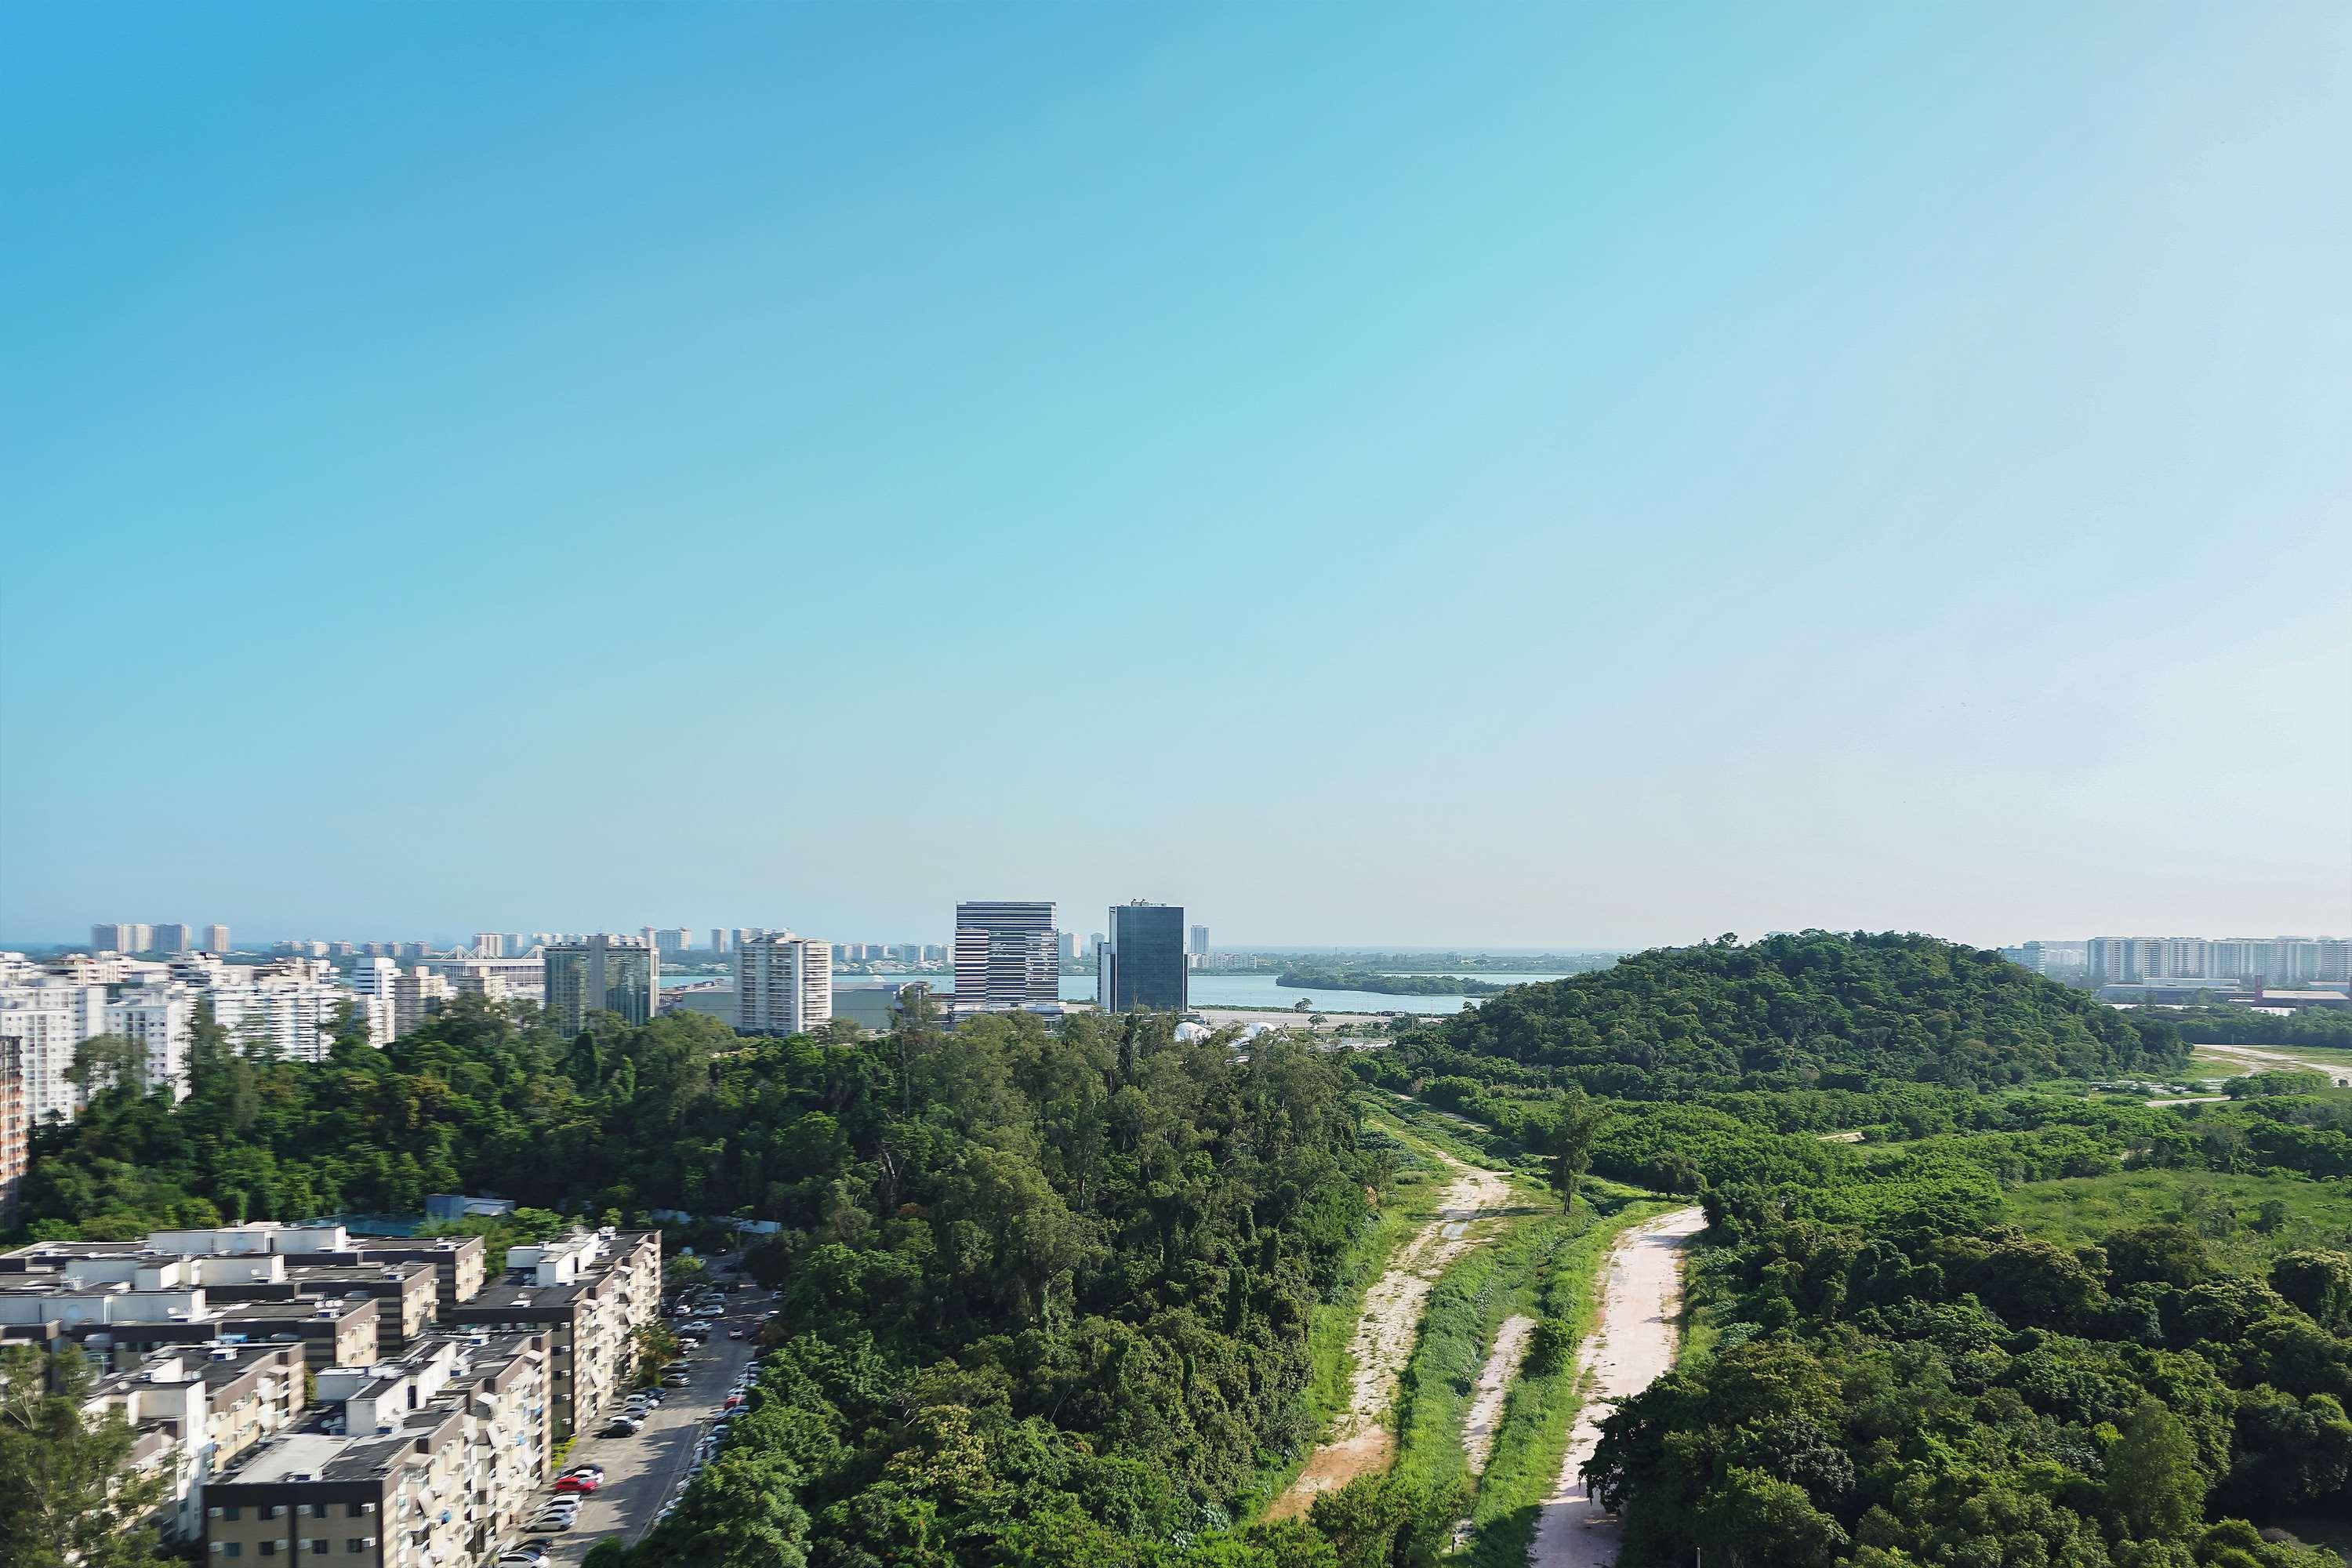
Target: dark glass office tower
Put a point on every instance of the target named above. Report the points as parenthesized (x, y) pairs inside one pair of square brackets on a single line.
[(1144, 960)]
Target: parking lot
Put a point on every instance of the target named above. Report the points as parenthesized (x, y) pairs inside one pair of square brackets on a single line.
[(642, 1472)]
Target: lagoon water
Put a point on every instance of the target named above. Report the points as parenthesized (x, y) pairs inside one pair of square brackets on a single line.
[(1254, 992), (1259, 992)]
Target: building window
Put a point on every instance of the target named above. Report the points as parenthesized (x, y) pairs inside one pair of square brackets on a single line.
[(232, 1511), (353, 1510), (354, 1544), (232, 1549), (317, 1546), (269, 1549)]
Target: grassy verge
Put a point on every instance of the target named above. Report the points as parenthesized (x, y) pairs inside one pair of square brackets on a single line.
[(1567, 1258), (1545, 1264), (1331, 1325)]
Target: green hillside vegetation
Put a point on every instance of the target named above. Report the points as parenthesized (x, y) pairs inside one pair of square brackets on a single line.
[(2018, 1326), (1817, 1009)]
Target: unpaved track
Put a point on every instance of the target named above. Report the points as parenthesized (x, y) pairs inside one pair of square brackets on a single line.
[(1634, 1343), (1494, 1386), (1360, 1443)]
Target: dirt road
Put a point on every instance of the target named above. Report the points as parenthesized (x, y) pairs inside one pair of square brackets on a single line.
[(1360, 1442), (1635, 1342)]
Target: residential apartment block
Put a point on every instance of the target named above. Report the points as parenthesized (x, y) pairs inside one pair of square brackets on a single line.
[(2279, 961), (784, 985), (431, 1461), (424, 1442), (588, 1293), (194, 1412)]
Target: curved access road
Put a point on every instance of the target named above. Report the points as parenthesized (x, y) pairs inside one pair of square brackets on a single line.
[(1640, 1294)]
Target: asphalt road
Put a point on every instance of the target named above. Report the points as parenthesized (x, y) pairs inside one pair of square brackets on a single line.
[(642, 1471)]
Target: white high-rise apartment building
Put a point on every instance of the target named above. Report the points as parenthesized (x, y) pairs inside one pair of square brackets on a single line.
[(489, 944), (719, 939), (288, 1006), (374, 977), (216, 939), (49, 1022), (174, 938), (672, 941), (156, 1018), (784, 985)]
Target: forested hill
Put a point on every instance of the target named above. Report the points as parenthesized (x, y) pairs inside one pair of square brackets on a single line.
[(1819, 1008)]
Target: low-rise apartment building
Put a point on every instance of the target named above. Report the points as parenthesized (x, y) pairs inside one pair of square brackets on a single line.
[(404, 1294), (588, 1293), (431, 1460), (194, 1412)]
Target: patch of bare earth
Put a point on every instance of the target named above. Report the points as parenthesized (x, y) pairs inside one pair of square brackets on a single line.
[(1630, 1348), (1360, 1443)]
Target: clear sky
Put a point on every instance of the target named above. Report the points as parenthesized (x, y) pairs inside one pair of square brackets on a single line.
[(1496, 474)]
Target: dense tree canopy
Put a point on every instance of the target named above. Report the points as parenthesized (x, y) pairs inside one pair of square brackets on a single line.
[(1815, 1009), (1045, 1291)]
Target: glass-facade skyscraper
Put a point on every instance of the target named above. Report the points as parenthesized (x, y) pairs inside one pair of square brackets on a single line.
[(1143, 964), (618, 974)]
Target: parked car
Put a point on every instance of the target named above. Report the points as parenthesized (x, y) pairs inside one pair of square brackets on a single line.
[(578, 1483), (619, 1427), (532, 1556), (548, 1524), (677, 1380), (596, 1470)]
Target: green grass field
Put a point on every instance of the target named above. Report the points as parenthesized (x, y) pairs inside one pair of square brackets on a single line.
[(2226, 1209)]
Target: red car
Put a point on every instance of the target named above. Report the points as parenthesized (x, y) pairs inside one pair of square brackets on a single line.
[(578, 1484)]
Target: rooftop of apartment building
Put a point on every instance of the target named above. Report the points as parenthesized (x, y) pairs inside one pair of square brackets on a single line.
[(553, 1276), (228, 1371), (301, 1245)]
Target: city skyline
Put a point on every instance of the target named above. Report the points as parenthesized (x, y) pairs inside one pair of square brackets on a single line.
[(1683, 476)]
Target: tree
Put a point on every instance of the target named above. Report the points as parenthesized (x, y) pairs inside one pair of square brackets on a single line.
[(1579, 1124), (1758, 1521), (105, 1062), (2318, 1282), (67, 1498), (2155, 1484)]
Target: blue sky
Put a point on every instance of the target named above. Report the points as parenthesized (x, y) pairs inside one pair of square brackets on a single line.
[(1550, 474)]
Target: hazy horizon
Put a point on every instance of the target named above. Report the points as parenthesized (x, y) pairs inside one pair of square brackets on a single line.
[(1647, 472)]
